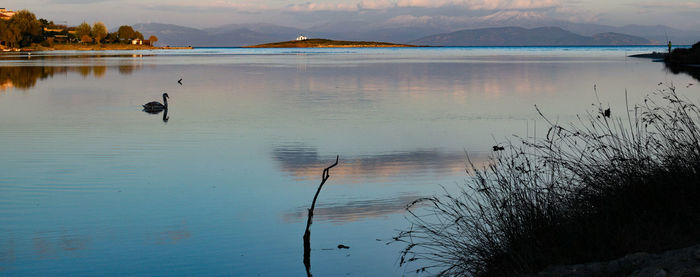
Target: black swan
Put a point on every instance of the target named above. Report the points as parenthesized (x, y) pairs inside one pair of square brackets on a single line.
[(156, 106)]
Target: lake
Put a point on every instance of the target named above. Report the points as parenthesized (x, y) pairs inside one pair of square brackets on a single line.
[(92, 185)]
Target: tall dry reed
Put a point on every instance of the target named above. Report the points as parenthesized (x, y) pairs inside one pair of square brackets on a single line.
[(592, 190)]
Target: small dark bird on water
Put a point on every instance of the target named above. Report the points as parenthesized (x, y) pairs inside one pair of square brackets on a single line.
[(179, 81), (498, 148), (606, 113), (340, 246), (155, 106), (689, 84)]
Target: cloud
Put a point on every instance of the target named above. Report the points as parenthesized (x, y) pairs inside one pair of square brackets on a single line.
[(577, 15), (376, 4), (219, 4), (312, 7), (513, 15), (409, 19), (670, 5), (78, 1), (389, 4)]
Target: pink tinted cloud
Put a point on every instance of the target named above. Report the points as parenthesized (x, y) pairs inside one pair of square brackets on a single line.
[(387, 4), (483, 4), (671, 5), (239, 5)]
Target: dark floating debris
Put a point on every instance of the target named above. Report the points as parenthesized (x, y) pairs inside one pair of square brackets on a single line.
[(498, 148), (606, 113), (179, 81), (341, 246)]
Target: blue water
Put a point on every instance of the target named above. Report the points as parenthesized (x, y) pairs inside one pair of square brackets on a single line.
[(91, 185)]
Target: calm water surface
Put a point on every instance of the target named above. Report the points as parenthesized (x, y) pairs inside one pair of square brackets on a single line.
[(91, 185)]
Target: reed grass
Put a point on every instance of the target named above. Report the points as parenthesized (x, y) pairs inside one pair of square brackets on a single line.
[(592, 190)]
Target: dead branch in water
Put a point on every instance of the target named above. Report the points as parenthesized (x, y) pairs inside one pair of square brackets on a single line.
[(307, 233)]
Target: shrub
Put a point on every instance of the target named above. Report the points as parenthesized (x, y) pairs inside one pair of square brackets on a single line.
[(593, 190)]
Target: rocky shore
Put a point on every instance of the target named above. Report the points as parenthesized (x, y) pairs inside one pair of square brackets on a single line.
[(673, 263), (652, 55), (685, 56)]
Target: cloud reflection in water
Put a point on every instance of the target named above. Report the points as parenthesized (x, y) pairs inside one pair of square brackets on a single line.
[(352, 210), (172, 236), (50, 246), (306, 163)]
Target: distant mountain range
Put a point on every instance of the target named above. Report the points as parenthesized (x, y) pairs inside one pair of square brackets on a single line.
[(497, 31), (517, 36)]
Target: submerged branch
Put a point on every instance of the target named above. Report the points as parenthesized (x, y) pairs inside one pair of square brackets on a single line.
[(307, 234)]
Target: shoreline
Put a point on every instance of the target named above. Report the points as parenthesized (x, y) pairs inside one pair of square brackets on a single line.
[(339, 46), (328, 43), (101, 47), (652, 55)]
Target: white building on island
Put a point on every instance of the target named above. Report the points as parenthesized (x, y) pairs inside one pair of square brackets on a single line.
[(302, 37)]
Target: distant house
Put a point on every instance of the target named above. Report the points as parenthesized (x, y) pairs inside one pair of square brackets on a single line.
[(139, 41), (6, 14), (60, 38), (56, 30), (301, 37)]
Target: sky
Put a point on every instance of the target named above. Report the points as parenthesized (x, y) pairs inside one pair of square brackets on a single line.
[(682, 14)]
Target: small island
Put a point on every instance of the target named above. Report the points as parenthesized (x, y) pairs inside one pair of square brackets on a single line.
[(326, 43)]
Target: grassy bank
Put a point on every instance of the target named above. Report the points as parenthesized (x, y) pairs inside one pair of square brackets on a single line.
[(590, 191)]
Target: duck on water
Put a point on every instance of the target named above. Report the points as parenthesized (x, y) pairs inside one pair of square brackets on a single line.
[(155, 106)]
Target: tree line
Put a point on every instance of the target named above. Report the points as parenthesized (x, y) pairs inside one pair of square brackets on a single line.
[(24, 29)]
